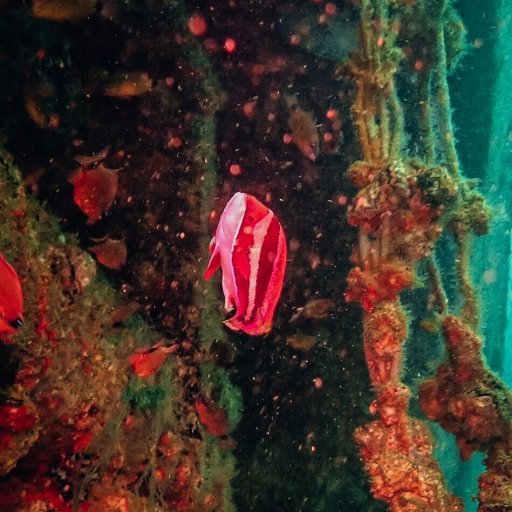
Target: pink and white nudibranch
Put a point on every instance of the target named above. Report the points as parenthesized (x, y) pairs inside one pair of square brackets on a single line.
[(250, 247)]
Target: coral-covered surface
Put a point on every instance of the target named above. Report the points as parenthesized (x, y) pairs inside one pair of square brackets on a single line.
[(397, 449), (468, 400), (402, 208), (397, 452), (74, 424)]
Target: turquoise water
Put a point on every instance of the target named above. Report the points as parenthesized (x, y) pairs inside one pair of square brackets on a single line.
[(485, 151)]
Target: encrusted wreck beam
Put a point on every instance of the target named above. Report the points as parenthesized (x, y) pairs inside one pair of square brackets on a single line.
[(401, 209)]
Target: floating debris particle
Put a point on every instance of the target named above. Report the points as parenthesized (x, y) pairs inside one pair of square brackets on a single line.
[(197, 25), (230, 45), (235, 170)]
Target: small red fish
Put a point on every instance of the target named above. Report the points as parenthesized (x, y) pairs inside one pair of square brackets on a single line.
[(11, 298), (147, 361), (110, 253), (212, 416), (94, 190), (250, 246)]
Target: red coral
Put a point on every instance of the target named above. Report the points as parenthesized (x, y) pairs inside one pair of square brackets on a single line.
[(384, 334), (464, 396), (37, 494), (16, 418), (370, 288), (31, 374), (398, 458), (6, 440), (81, 440), (368, 219), (50, 497), (182, 501)]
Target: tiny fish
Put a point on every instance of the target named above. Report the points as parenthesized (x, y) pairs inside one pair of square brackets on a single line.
[(11, 298), (128, 85), (302, 342), (94, 190), (303, 129), (250, 247), (316, 309), (35, 95), (147, 361), (123, 312), (63, 10), (36, 112), (212, 416), (430, 324), (110, 253), (95, 158), (222, 353)]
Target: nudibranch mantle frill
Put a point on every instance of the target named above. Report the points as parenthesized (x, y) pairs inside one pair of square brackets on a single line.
[(250, 247)]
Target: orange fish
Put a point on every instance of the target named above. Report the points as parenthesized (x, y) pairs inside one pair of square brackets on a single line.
[(111, 253), (94, 190), (63, 10), (35, 95), (95, 158), (212, 416), (11, 298), (128, 85), (147, 361)]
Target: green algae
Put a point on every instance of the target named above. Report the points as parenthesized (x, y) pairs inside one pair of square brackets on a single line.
[(216, 382), (143, 397)]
